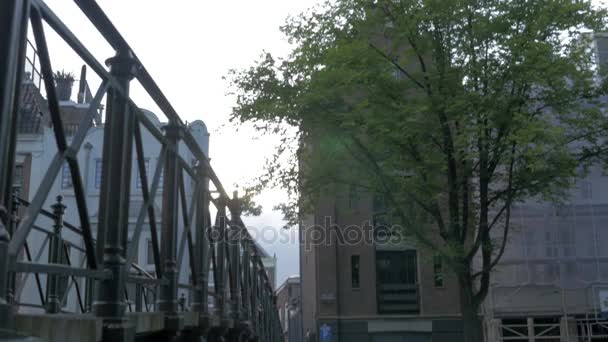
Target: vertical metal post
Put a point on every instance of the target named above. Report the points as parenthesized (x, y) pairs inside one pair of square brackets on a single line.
[(255, 304), (235, 259), (88, 294), (531, 332), (201, 252), (53, 301), (246, 282), (167, 301), (235, 270), (114, 200), (14, 16), (264, 317), (138, 298), (277, 331), (221, 261), (13, 222)]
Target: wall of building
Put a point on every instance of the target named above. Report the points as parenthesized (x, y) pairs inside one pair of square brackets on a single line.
[(289, 305), (308, 279), (38, 150), (350, 313)]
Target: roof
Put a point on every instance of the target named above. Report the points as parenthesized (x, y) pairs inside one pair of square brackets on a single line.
[(294, 279), (263, 253), (33, 109)]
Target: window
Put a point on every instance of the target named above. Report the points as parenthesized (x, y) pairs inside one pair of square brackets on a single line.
[(354, 271), (150, 257), (97, 173), (396, 282), (396, 267), (396, 73), (66, 179), (353, 197), (71, 129), (161, 178), (18, 180), (586, 192), (286, 317), (438, 271), (138, 176)]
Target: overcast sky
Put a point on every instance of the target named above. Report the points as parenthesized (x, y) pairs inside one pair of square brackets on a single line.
[(187, 47)]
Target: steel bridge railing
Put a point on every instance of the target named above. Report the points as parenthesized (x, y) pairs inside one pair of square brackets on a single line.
[(241, 297)]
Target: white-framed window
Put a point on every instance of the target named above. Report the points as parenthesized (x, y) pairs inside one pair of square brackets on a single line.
[(162, 176), (98, 173), (66, 176), (18, 179), (437, 271), (286, 317)]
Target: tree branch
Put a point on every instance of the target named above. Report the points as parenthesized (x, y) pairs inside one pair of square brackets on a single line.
[(488, 266), (388, 192), (407, 74)]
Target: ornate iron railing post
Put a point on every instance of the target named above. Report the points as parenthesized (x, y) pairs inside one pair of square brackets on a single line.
[(114, 200), (53, 298), (247, 285), (255, 303), (235, 236), (12, 224), (201, 292), (221, 246), (265, 314), (221, 262), (167, 301)]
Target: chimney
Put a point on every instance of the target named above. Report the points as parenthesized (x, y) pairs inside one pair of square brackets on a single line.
[(63, 83), (82, 84)]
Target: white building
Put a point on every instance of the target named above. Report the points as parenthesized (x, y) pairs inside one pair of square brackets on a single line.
[(552, 282), (35, 149)]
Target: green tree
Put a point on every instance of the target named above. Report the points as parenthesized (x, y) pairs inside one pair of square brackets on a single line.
[(451, 110)]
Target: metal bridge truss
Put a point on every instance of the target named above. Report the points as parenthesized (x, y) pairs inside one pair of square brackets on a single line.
[(242, 297)]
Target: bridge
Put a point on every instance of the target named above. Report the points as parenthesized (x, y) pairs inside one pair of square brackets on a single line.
[(232, 297)]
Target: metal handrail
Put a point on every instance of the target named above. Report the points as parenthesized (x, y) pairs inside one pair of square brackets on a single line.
[(242, 289)]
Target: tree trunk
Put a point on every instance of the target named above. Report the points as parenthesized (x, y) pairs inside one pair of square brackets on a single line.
[(471, 322)]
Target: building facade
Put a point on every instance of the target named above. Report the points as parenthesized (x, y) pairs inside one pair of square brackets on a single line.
[(356, 287), (551, 284), (289, 306), (552, 281)]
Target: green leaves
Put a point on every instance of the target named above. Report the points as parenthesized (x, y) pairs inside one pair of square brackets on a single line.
[(453, 110)]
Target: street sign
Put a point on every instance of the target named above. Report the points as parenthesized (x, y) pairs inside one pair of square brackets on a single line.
[(325, 333)]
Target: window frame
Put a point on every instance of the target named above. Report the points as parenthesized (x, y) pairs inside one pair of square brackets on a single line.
[(355, 271), (18, 179), (66, 176), (438, 272), (98, 172)]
